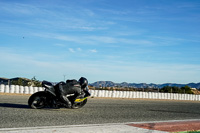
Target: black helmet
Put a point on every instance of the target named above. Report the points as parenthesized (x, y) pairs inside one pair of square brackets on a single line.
[(83, 82)]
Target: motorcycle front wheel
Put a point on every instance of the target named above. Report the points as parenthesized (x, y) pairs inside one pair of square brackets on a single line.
[(37, 101)]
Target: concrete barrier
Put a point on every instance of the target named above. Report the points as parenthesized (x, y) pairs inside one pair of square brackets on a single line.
[(35, 89), (12, 88), (21, 89), (16, 89), (26, 90), (41, 89), (114, 94), (106, 93), (30, 90), (7, 89), (2, 88), (130, 94)]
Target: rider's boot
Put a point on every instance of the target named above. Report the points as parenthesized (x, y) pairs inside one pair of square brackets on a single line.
[(67, 103)]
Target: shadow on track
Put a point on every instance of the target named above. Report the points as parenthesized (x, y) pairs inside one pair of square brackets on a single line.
[(23, 106), (12, 105)]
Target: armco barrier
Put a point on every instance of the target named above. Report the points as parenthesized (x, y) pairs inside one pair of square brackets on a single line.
[(106, 93)]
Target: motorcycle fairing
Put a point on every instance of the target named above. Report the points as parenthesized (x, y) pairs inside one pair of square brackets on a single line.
[(80, 100)]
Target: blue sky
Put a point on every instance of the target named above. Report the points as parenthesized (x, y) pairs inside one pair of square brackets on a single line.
[(140, 41)]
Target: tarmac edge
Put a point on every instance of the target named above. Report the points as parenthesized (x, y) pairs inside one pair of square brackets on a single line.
[(95, 128)]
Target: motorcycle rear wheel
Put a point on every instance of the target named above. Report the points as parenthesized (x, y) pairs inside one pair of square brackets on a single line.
[(37, 101)]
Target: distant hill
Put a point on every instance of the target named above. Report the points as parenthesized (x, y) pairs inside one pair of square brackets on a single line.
[(141, 85), (112, 84)]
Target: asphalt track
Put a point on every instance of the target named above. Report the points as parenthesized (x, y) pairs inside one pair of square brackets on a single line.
[(14, 112)]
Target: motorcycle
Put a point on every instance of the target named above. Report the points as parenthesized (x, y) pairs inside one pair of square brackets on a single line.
[(47, 98)]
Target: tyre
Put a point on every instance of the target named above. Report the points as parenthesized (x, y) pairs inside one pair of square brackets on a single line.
[(79, 105), (37, 100)]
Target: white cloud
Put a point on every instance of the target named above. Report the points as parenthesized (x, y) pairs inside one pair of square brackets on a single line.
[(14, 64), (60, 45), (71, 50), (92, 40), (115, 12), (79, 49), (93, 50), (16, 8)]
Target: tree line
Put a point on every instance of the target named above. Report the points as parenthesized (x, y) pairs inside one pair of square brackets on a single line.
[(21, 82), (174, 89), (165, 89)]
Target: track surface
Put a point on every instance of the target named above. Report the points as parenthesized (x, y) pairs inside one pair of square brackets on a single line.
[(14, 112)]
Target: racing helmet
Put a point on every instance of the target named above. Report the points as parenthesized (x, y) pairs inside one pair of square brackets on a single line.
[(83, 82)]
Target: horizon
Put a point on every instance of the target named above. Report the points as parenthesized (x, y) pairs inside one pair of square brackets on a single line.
[(115, 82), (120, 41)]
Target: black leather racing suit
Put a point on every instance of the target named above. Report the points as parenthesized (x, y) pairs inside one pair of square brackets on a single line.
[(70, 87)]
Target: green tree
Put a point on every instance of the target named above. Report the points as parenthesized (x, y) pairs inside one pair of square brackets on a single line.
[(35, 82), (187, 90), (166, 89), (20, 82), (174, 89)]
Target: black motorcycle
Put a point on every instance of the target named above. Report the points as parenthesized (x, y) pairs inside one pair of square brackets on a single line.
[(47, 98)]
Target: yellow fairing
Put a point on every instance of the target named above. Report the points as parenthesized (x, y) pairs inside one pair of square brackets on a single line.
[(80, 100)]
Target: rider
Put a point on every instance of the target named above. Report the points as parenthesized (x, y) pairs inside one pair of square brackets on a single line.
[(71, 87)]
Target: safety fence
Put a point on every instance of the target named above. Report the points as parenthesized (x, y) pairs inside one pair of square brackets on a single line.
[(144, 95), (19, 89), (106, 93)]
